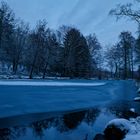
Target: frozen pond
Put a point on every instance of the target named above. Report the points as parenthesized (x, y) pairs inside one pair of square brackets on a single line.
[(62, 109)]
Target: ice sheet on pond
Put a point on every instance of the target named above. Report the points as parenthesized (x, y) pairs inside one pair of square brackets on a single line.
[(23, 99), (47, 83)]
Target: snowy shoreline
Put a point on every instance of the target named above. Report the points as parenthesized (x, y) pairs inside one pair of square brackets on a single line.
[(121, 128), (138, 92), (130, 128), (134, 123)]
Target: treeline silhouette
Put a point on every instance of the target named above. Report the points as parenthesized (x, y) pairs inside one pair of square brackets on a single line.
[(65, 52)]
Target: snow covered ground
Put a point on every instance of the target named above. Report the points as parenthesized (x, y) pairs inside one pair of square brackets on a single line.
[(138, 90), (131, 127), (134, 133), (122, 124), (137, 99), (134, 130)]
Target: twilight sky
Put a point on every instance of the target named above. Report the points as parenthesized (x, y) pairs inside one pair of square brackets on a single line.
[(90, 16)]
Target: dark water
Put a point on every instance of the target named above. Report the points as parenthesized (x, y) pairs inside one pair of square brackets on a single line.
[(77, 124)]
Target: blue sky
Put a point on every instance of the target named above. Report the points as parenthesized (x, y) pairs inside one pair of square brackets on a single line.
[(90, 16)]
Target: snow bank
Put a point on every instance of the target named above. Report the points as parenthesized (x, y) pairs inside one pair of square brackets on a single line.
[(138, 91), (134, 133), (47, 83), (132, 127), (137, 99), (132, 110), (20, 76), (133, 137), (122, 124)]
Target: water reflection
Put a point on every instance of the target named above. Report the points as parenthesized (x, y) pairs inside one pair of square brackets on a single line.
[(72, 120), (77, 125), (67, 122), (12, 133), (121, 109), (62, 123)]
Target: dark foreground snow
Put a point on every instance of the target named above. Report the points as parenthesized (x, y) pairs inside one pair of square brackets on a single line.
[(131, 127)]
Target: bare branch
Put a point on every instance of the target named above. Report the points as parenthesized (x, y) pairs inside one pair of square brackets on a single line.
[(127, 12)]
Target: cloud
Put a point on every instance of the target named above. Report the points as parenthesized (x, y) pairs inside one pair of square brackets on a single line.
[(90, 16)]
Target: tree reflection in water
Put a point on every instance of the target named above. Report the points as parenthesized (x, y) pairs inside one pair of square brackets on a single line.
[(69, 123), (123, 110), (12, 133), (62, 123)]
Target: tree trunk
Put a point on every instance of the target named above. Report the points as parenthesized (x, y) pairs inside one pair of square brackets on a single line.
[(116, 71), (44, 72), (14, 66), (33, 65), (125, 62), (31, 73)]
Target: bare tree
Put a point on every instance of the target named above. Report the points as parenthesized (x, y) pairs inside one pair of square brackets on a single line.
[(127, 11), (36, 48), (18, 44), (114, 60), (131, 12), (127, 43)]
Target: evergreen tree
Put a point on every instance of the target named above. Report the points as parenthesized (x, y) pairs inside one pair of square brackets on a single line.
[(77, 56)]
